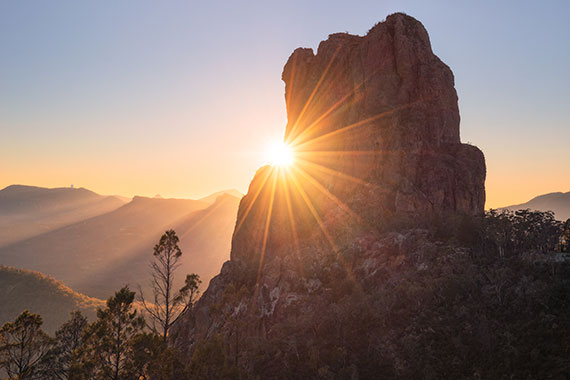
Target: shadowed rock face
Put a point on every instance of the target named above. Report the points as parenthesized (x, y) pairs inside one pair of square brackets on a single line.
[(374, 124), (387, 107)]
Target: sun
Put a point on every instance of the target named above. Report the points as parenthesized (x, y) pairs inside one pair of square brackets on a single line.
[(280, 154)]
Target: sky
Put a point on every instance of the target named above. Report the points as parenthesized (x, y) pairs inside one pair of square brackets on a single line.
[(181, 98)]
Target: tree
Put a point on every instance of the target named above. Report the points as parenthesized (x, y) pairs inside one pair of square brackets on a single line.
[(520, 231), (565, 237), (168, 305), (209, 361), (148, 351), (108, 352), (68, 340), (154, 359), (24, 347), (497, 231), (536, 230)]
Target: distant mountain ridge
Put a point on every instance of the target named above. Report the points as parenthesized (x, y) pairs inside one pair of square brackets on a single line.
[(98, 255), (212, 197), (557, 202), (19, 199), (26, 211), (95, 244), (33, 291)]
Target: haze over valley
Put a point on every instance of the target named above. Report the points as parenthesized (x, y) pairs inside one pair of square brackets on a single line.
[(96, 250), (558, 202), (26, 211)]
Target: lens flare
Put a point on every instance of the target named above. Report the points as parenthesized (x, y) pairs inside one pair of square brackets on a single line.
[(280, 154)]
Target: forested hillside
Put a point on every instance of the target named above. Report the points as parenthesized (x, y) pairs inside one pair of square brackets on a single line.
[(27, 290)]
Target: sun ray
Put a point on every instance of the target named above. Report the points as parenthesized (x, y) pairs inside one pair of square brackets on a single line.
[(328, 194), (337, 104), (284, 175), (246, 212), (336, 153), (329, 238), (312, 95), (196, 223), (354, 125), (333, 172), (267, 224), (299, 138), (314, 212), (309, 129)]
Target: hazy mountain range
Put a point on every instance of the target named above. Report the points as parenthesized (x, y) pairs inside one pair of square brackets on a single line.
[(95, 244), (27, 211), (96, 250), (559, 203)]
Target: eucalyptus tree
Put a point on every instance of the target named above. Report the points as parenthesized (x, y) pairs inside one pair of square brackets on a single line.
[(69, 339), (168, 304), (108, 351), (25, 348)]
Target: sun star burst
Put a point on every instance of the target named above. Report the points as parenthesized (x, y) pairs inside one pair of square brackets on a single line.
[(280, 154)]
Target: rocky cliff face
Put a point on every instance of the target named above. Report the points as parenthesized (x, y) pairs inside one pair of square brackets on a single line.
[(385, 107), (374, 125)]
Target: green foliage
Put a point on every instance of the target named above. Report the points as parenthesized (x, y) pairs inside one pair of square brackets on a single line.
[(154, 359), (108, 352), (24, 348), (484, 312), (508, 232), (113, 347), (462, 318), (466, 303), (209, 362), (565, 240), (190, 291), (68, 340), (499, 232)]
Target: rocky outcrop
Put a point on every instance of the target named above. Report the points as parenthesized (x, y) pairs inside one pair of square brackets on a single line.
[(387, 107), (374, 125)]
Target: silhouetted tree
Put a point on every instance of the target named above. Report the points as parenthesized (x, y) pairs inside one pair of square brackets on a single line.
[(565, 239), (108, 352), (514, 232), (68, 340), (24, 348), (154, 359), (168, 305), (498, 231), (536, 230)]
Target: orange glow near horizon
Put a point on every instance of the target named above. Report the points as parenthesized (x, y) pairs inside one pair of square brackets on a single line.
[(189, 112)]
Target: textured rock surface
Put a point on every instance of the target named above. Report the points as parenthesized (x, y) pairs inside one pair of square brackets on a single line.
[(398, 109), (374, 123)]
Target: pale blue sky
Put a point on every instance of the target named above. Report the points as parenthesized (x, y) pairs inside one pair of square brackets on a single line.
[(180, 98)]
